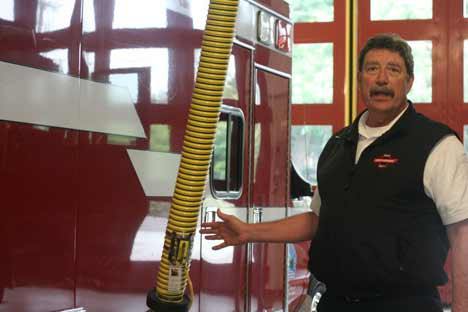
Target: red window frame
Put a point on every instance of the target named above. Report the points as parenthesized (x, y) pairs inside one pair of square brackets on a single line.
[(326, 32), (435, 30), (447, 30)]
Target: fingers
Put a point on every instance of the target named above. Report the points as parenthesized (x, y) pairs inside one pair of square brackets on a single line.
[(209, 224), (222, 215), (214, 234), (213, 237), (210, 231), (210, 228), (218, 230), (220, 246)]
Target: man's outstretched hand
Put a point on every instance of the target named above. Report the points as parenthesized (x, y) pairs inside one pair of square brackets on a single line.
[(230, 230)]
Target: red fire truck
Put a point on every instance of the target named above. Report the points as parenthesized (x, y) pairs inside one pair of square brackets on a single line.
[(94, 101)]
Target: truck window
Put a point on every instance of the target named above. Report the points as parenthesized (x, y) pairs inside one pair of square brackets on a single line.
[(227, 164)]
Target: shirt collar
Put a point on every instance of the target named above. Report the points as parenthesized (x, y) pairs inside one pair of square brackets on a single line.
[(399, 124), (368, 132)]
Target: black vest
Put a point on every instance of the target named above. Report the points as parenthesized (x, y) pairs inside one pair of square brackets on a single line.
[(377, 227)]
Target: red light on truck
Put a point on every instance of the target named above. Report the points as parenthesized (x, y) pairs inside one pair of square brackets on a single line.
[(283, 36)]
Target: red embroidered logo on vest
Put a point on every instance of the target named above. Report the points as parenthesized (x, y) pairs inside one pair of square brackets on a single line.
[(385, 160)]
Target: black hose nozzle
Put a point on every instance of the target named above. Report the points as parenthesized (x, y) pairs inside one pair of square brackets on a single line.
[(157, 305)]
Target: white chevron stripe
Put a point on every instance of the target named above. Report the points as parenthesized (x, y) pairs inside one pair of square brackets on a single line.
[(156, 171), (44, 98)]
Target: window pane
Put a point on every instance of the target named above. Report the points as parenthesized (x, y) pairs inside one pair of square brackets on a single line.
[(6, 10), (220, 152), (226, 174), (53, 15), (465, 8), (198, 12), (59, 57), (122, 140), (230, 85), (465, 138), (401, 10), (140, 14), (160, 138), (312, 73), (307, 143), (127, 80), (422, 86), (237, 148), (89, 23), (155, 58), (312, 10)]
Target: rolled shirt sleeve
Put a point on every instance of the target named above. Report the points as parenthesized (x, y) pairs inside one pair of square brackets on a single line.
[(316, 202), (446, 179)]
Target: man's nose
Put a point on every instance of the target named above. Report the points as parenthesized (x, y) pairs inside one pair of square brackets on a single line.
[(382, 77)]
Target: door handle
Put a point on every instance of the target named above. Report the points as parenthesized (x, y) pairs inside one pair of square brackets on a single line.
[(257, 214), (210, 214)]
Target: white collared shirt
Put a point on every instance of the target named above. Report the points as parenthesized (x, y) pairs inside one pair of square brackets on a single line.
[(445, 173)]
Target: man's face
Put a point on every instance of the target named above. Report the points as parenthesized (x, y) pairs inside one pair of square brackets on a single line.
[(384, 82)]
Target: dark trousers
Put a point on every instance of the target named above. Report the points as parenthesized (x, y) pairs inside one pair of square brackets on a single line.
[(390, 303)]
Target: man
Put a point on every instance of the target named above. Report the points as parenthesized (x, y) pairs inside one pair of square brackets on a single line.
[(393, 197)]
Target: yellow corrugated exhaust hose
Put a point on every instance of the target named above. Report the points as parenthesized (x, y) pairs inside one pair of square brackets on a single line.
[(196, 157)]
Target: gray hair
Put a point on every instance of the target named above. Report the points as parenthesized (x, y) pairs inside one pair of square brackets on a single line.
[(392, 42)]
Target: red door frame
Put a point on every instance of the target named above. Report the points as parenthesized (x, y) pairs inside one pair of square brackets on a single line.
[(457, 110), (447, 30), (321, 32), (434, 30)]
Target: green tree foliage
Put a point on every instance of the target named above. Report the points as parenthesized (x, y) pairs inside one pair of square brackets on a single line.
[(220, 151), (312, 10), (307, 143), (160, 136), (401, 9), (421, 91), (312, 73)]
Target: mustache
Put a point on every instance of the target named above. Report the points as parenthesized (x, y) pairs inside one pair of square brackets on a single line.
[(381, 91)]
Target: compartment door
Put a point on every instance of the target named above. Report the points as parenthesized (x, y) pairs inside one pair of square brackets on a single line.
[(223, 272), (270, 158)]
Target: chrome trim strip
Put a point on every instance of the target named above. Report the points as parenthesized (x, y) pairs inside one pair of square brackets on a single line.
[(273, 71), (266, 214), (270, 11), (286, 271), (234, 111), (243, 44)]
